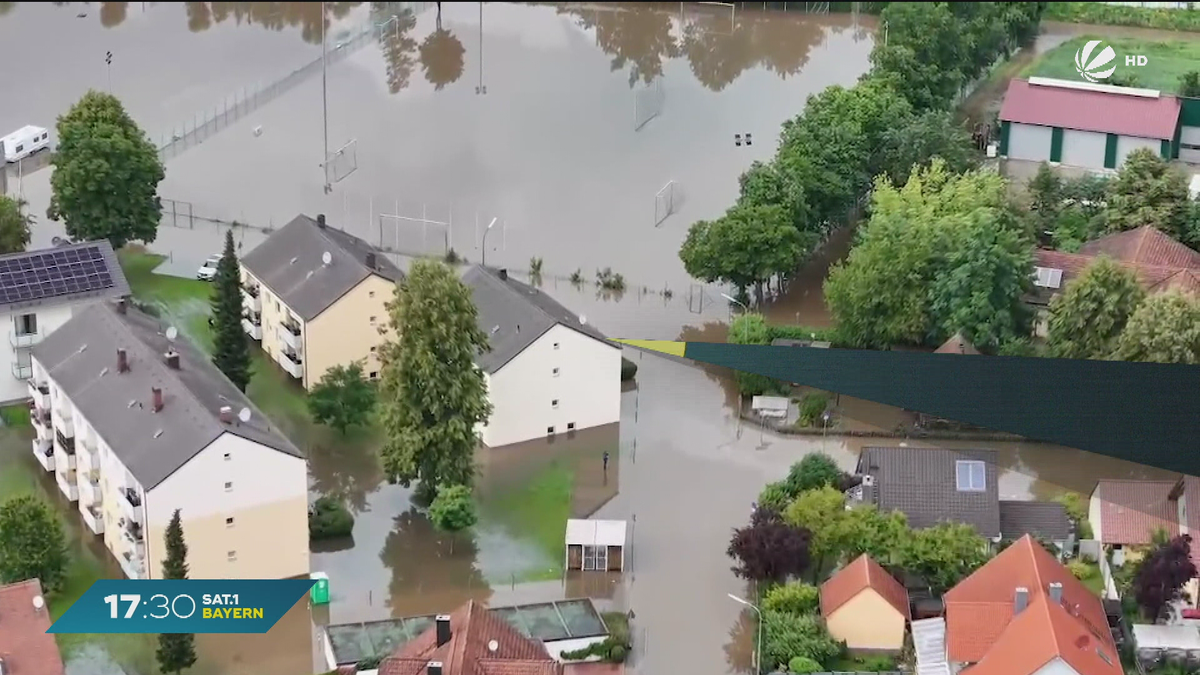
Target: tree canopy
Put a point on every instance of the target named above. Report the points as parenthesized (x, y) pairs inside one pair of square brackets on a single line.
[(1090, 313), (1165, 328), (453, 509), (433, 397), (944, 554), (15, 225), (32, 543), (769, 549), (176, 651), (1162, 574), (746, 247), (343, 398), (106, 174), (231, 345), (1149, 190)]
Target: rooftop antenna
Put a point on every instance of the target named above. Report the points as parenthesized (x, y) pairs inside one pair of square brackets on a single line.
[(326, 258), (244, 415), (293, 261)]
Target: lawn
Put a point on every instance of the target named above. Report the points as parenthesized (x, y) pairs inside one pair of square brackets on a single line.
[(1167, 61), (537, 511), (1094, 581)]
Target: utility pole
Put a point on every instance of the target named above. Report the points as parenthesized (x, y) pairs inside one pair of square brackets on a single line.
[(324, 101)]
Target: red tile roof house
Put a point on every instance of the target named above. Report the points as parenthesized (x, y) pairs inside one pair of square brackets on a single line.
[(866, 607), (1090, 126), (1023, 613), (1126, 513), (25, 646)]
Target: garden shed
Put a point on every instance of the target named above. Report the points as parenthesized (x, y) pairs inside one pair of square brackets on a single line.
[(596, 545)]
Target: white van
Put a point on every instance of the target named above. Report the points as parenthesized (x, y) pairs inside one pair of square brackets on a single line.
[(24, 142)]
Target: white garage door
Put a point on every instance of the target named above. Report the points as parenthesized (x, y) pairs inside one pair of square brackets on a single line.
[(1084, 149), (1029, 142), (1189, 145), (1127, 144)]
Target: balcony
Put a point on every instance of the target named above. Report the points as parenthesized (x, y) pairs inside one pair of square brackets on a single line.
[(40, 393), (289, 334), (89, 489), (252, 324), (94, 519), (66, 449), (133, 566), (131, 505), (250, 297), (39, 416), (66, 482), (90, 456), (23, 340), (292, 364), (22, 371), (44, 451), (63, 422)]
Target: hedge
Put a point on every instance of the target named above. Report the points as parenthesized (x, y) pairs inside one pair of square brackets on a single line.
[(329, 518)]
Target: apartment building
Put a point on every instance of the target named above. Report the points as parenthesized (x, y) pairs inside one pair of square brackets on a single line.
[(40, 290), (549, 371), (316, 297), (136, 424)]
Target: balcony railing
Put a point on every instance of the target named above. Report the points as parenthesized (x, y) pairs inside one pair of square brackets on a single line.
[(252, 324), (63, 423), (66, 483), (252, 290), (134, 530), (67, 444), (131, 505), (132, 565), (24, 340), (40, 417), (44, 451), (94, 519), (40, 393), (292, 364), (22, 372), (251, 299)]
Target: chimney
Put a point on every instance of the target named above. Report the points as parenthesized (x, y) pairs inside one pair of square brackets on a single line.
[(370, 260), (1056, 593), (434, 668), (172, 360), (156, 397), (1021, 600), (121, 306), (226, 415), (321, 220), (122, 361), (503, 274), (443, 631)]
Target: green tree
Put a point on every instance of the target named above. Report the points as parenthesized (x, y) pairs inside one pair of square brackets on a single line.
[(1090, 313), (915, 142), (786, 636), (815, 470), (342, 398), (1165, 328), (1189, 84), (944, 554), (764, 184), (775, 497), (231, 348), (867, 530), (433, 396), (751, 329), (1148, 190), (925, 49), (794, 597), (101, 153), (15, 225), (453, 510), (32, 544), (176, 651), (746, 247), (821, 512), (1077, 510)]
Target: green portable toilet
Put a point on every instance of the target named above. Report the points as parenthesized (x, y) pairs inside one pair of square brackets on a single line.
[(320, 590)]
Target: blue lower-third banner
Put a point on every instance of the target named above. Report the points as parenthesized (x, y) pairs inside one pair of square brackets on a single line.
[(182, 606)]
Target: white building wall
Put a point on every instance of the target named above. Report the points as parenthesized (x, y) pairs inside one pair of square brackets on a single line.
[(1094, 517), (1060, 667), (587, 388), (1127, 144), (1084, 148), (13, 381), (1029, 142)]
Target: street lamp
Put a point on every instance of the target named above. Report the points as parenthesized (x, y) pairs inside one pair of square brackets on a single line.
[(735, 301), (825, 432), (485, 234), (758, 649)]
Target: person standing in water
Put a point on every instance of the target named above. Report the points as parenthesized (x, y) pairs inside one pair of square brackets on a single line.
[(605, 461)]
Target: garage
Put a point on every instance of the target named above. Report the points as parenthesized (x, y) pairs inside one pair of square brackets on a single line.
[(1189, 145), (1029, 142), (595, 545), (1127, 144), (1083, 148)]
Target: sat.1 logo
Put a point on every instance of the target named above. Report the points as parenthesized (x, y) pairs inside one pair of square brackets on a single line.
[(1092, 68)]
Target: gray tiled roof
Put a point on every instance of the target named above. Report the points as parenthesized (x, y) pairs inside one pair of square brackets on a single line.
[(290, 264), (514, 315), (922, 484), (81, 358), (1046, 520), (59, 284)]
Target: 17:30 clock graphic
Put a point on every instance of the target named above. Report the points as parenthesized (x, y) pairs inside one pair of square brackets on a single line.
[(159, 602)]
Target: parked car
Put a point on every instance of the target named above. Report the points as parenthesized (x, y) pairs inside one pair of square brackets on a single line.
[(209, 269)]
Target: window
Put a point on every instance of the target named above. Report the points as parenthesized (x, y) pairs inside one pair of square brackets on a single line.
[(228, 486), (374, 375), (229, 522), (556, 345), (231, 556), (370, 294), (372, 321), (556, 372), (20, 148), (595, 558), (971, 475), (276, 305), (1046, 277), (228, 457), (27, 324), (570, 426), (550, 431), (554, 403)]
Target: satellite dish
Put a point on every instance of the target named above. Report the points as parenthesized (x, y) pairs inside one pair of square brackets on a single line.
[(172, 332), (244, 415), (583, 320), (493, 645), (326, 258), (38, 602)]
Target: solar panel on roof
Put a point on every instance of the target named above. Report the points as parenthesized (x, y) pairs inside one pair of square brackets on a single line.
[(42, 276)]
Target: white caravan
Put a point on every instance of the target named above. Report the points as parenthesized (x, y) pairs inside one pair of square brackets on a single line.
[(24, 142)]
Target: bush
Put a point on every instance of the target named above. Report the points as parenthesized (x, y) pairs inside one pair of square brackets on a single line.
[(793, 598), (617, 653), (786, 636), (811, 408), (1079, 569), (802, 665), (775, 496), (816, 470), (329, 518), (610, 649), (628, 369), (877, 664)]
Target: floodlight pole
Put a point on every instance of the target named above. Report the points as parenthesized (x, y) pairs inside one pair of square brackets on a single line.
[(324, 101)]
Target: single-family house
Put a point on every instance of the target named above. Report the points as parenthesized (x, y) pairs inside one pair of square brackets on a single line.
[(25, 646), (316, 297), (135, 425), (1085, 125), (932, 485), (471, 641), (40, 290), (1160, 263), (1024, 613), (549, 371), (957, 344), (866, 607)]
